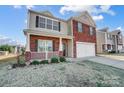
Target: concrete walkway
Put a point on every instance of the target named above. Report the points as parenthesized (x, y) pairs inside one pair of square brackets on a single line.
[(7, 56), (108, 61)]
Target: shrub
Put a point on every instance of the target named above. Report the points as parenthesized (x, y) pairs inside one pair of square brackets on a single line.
[(62, 59), (54, 60), (112, 51), (35, 62), (21, 64), (44, 62)]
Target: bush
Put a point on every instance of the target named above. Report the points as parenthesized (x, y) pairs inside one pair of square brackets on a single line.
[(62, 59), (18, 65), (112, 51), (21, 62), (54, 60), (35, 62), (44, 62)]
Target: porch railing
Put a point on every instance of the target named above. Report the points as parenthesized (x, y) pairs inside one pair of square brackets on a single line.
[(42, 55)]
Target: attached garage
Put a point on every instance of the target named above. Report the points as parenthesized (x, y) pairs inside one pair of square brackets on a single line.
[(85, 49)]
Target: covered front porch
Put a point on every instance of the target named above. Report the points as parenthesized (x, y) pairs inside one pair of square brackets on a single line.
[(44, 47), (108, 47)]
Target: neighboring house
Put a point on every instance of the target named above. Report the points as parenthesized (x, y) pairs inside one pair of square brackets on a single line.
[(47, 36), (109, 41)]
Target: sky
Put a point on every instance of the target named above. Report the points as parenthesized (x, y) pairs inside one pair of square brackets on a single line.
[(13, 18)]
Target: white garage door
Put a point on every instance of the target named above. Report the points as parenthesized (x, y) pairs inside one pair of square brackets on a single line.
[(85, 49)]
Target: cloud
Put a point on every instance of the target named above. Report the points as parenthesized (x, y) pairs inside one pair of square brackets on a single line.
[(17, 6), (30, 6), (98, 18), (75, 8), (6, 40), (25, 21), (92, 9), (119, 28), (27, 6), (106, 9)]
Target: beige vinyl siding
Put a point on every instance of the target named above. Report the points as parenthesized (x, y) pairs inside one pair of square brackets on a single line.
[(100, 41), (32, 24)]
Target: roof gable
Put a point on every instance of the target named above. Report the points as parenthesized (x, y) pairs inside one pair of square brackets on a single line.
[(47, 13), (85, 18)]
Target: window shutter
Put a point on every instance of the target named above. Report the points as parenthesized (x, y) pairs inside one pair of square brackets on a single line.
[(94, 31), (36, 45), (59, 26), (76, 25), (37, 21)]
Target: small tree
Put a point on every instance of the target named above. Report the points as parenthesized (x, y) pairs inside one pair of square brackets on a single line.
[(6, 48)]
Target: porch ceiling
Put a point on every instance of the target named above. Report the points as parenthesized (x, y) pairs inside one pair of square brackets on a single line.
[(47, 33)]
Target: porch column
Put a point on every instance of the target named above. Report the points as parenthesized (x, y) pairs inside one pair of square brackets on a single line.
[(60, 44), (106, 48), (116, 44), (28, 42)]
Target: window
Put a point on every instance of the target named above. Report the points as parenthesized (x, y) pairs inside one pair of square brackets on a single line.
[(49, 45), (79, 27), (55, 25), (108, 36), (42, 22), (45, 45), (41, 46), (49, 24), (91, 30), (120, 37)]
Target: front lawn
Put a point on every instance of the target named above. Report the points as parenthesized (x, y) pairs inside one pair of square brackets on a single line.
[(66, 74)]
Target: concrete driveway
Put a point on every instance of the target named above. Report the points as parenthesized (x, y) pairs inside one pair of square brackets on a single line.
[(108, 61)]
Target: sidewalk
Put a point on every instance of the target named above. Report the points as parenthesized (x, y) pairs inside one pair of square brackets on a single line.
[(113, 56), (8, 56)]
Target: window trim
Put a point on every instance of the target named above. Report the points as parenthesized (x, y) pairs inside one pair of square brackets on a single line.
[(49, 24), (91, 30), (78, 27), (40, 22), (45, 46), (47, 18)]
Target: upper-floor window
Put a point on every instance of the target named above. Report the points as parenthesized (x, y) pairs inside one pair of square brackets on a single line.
[(42, 22), (109, 36), (47, 23), (91, 30), (80, 27), (55, 25)]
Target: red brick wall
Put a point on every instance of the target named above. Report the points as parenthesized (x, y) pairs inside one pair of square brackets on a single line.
[(82, 36), (33, 39)]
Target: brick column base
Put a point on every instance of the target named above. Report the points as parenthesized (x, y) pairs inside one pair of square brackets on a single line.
[(27, 56), (60, 53)]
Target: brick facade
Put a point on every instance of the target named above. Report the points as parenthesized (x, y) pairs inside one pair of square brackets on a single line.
[(83, 36), (34, 38)]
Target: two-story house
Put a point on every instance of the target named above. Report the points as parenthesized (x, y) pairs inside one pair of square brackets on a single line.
[(109, 41), (47, 36)]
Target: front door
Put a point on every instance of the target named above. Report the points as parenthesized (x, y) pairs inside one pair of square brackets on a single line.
[(64, 49)]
